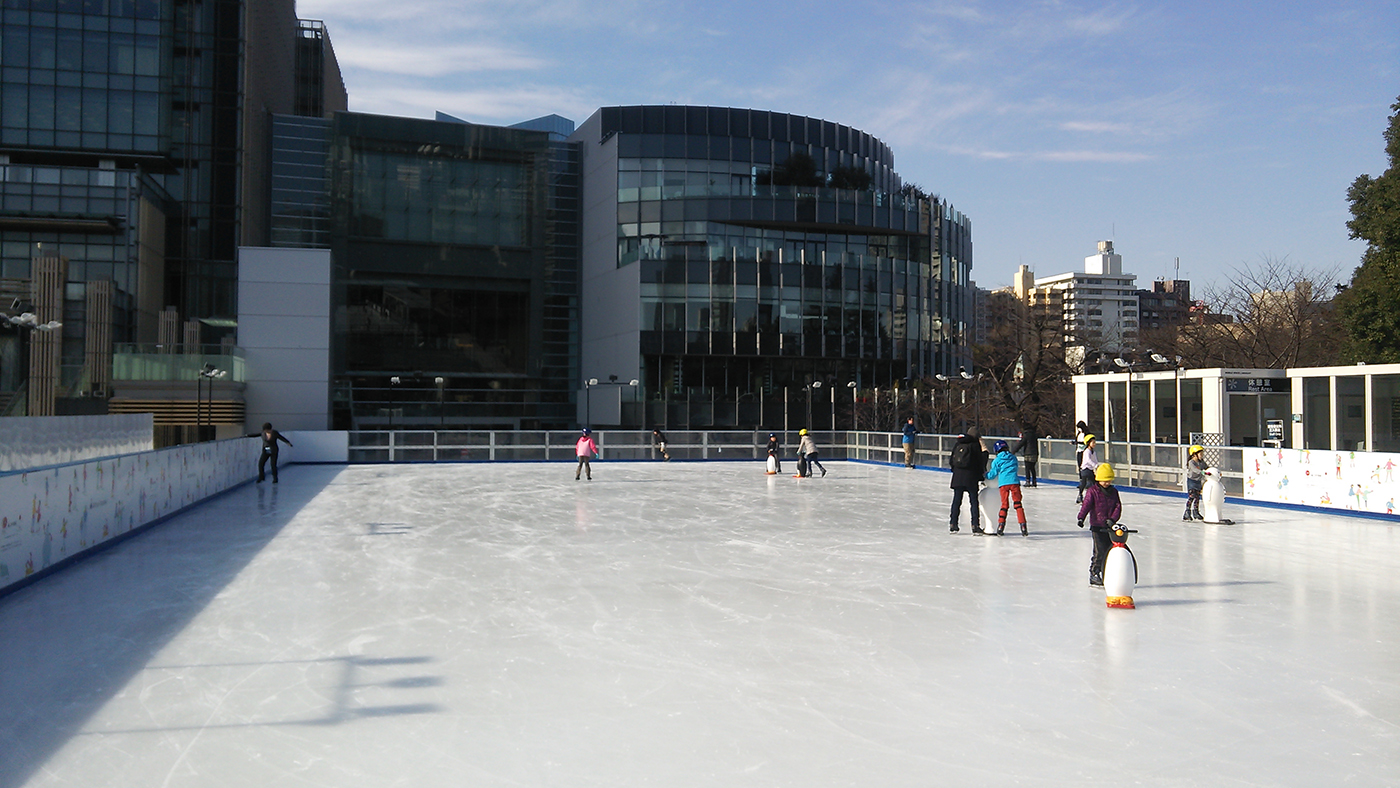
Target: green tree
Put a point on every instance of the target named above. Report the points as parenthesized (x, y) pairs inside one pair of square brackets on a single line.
[(1370, 306)]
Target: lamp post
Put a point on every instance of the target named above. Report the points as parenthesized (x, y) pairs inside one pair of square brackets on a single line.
[(1158, 358), (947, 400), (816, 384), (852, 386), (588, 401), (210, 373), (441, 383), (968, 377)]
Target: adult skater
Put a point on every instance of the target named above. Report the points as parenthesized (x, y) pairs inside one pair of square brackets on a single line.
[(775, 450), (1030, 449), (1080, 430), (969, 462), (1103, 508), (1088, 461), (807, 450), (269, 450), (1195, 482), (910, 432), (659, 438), (586, 450), (1008, 483)]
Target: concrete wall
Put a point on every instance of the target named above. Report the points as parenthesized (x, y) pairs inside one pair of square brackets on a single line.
[(39, 441), (284, 329), (610, 299), (54, 514)]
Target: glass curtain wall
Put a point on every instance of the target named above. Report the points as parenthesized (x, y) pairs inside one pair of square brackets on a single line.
[(1317, 410), (1385, 413), (1351, 413)]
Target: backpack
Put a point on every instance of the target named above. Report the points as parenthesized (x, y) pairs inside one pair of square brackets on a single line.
[(963, 455)]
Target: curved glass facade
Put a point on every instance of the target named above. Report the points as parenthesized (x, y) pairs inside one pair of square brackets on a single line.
[(769, 250)]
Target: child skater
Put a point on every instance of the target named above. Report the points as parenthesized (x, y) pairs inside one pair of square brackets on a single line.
[(1103, 507), (1195, 482), (807, 450), (586, 449), (1088, 461), (1004, 471)]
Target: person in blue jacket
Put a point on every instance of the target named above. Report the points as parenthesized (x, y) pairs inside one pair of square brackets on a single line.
[(1004, 471), (910, 432)]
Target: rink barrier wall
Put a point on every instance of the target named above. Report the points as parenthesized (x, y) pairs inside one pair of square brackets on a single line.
[(53, 516), (1359, 482), (28, 442)]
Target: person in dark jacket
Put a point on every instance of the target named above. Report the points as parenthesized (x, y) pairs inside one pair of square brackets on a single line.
[(269, 450), (910, 432), (775, 448), (967, 479), (1030, 449), (659, 438)]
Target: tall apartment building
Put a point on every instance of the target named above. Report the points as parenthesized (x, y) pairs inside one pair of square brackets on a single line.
[(1098, 307)]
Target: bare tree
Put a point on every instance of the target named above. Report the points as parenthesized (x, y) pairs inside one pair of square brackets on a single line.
[(1024, 363), (1266, 316)]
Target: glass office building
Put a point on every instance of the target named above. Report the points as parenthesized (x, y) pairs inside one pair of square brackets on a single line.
[(729, 254), (454, 287)]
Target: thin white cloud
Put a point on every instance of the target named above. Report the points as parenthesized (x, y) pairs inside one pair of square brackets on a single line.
[(434, 60)]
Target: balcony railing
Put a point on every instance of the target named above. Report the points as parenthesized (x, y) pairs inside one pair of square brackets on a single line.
[(149, 362)]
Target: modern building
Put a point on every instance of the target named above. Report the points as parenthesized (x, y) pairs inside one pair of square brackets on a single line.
[(1353, 408), (1098, 307), (133, 164), (454, 286), (735, 260)]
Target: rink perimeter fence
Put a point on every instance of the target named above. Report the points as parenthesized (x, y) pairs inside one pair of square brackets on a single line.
[(1153, 466)]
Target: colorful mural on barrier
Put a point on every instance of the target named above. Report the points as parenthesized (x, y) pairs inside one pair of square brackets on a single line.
[(1357, 480), (50, 514)]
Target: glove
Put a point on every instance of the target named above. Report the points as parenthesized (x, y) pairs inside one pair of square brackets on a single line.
[(1080, 523)]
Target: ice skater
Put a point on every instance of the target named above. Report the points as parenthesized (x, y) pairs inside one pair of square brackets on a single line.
[(969, 462), (807, 450), (1103, 508), (910, 433), (1009, 485), (269, 450), (1195, 482), (1030, 449), (659, 438), (586, 450), (1088, 461), (775, 450)]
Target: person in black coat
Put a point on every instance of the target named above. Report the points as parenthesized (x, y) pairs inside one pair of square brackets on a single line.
[(967, 478), (1030, 449), (269, 450)]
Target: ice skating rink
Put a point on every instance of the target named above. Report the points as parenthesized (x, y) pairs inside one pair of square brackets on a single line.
[(689, 624)]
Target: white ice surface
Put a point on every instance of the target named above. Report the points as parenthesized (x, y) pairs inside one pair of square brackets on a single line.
[(685, 624)]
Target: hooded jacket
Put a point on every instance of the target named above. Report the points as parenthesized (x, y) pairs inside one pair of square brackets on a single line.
[(1004, 469)]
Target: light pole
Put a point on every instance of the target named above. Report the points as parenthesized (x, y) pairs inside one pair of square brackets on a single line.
[(852, 386), (588, 401), (816, 384), (210, 373), (968, 377), (441, 382), (947, 400)]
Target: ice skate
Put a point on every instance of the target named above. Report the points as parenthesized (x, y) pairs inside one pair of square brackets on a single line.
[(952, 529), (1024, 532)]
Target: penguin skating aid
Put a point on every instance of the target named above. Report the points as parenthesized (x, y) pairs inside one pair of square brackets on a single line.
[(1213, 499), (1120, 570)]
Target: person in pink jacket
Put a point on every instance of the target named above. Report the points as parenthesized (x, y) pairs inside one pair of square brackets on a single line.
[(586, 450)]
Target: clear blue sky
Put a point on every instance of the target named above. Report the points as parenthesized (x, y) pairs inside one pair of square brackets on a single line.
[(1222, 133)]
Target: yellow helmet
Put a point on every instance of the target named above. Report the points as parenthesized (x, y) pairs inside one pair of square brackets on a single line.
[(1089, 437), (1194, 449), (802, 432), (1104, 473)]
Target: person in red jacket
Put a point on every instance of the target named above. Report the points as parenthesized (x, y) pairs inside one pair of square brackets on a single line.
[(586, 450), (1103, 508)]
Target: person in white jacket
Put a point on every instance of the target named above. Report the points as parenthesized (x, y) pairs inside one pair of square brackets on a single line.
[(1088, 463), (807, 450)]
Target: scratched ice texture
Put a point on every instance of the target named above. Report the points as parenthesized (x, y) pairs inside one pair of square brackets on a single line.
[(698, 624)]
